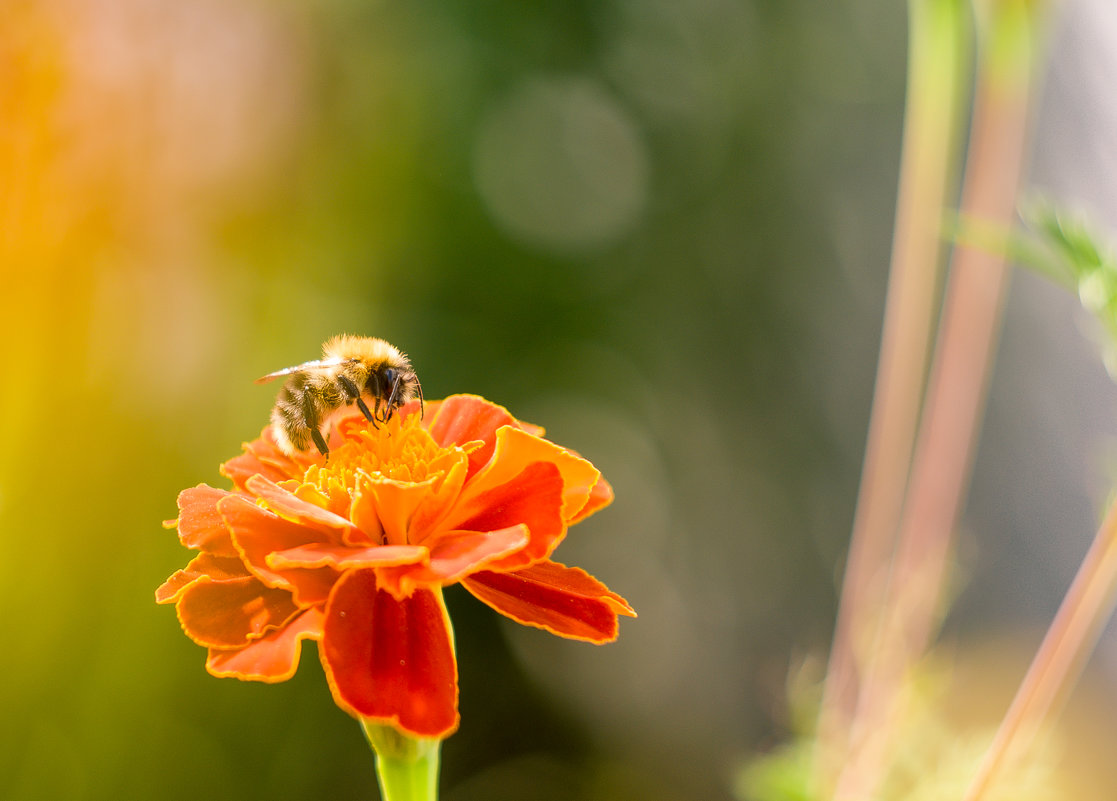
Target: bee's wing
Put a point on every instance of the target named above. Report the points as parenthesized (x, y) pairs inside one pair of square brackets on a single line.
[(298, 368)]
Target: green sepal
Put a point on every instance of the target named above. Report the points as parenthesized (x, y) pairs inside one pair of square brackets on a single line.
[(406, 766)]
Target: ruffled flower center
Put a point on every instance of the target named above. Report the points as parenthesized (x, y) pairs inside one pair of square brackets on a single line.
[(385, 480), (396, 451)]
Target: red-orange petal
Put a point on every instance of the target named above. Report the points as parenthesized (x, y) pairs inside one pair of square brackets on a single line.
[(391, 660), (240, 468), (428, 409), (204, 564), (533, 498), (229, 613), (563, 600), (465, 552), (200, 526), (261, 457), (600, 496), (516, 449), (469, 418), (258, 533), (274, 657), (456, 554)]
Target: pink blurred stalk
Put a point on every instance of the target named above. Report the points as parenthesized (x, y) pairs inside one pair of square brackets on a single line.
[(926, 172), (1068, 643), (955, 396)]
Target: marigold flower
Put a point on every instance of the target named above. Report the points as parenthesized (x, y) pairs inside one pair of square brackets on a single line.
[(353, 552)]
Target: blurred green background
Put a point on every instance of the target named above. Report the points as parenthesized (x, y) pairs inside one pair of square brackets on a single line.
[(658, 228)]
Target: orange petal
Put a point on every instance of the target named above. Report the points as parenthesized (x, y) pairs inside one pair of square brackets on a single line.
[(427, 409), (563, 600), (262, 457), (240, 468), (274, 657), (438, 504), (204, 564), (391, 660), (310, 587), (469, 418), (467, 551), (334, 499), (532, 498), (517, 449), (200, 527), (345, 558), (290, 507), (394, 502), (257, 533), (229, 613), (600, 496), (456, 554)]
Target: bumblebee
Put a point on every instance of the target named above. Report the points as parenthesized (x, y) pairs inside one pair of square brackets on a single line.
[(353, 370)]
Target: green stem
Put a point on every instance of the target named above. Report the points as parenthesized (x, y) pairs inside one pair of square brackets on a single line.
[(406, 767), (1068, 643), (938, 52), (956, 392)]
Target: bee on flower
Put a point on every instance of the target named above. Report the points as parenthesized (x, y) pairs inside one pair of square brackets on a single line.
[(353, 552), (352, 371)]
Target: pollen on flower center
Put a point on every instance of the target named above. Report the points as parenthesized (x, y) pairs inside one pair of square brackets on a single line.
[(397, 450)]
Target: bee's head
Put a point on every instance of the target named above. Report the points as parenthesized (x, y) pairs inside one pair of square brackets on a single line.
[(391, 384), (381, 381)]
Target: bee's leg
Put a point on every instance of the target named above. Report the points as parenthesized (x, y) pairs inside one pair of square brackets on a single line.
[(310, 419), (316, 435), (354, 394), (422, 410)]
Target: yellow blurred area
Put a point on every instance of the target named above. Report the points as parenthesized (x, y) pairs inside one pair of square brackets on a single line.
[(129, 133), (120, 124)]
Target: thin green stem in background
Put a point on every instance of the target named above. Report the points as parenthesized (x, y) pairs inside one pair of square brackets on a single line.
[(938, 42), (1008, 32), (1073, 634)]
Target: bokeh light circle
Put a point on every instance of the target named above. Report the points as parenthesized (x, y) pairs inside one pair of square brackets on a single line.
[(560, 165)]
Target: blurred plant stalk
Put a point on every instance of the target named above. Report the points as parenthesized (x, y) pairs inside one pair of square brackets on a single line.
[(903, 603), (928, 169), (1065, 648)]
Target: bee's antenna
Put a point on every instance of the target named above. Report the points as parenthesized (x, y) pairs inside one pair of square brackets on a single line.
[(422, 410)]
